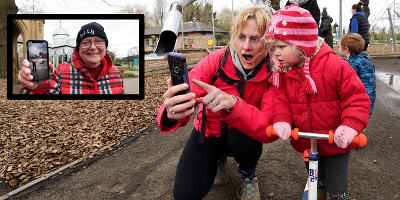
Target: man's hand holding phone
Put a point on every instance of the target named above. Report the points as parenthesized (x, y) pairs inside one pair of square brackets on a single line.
[(179, 106), (25, 77)]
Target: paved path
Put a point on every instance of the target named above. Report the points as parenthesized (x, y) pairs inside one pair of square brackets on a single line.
[(144, 167)]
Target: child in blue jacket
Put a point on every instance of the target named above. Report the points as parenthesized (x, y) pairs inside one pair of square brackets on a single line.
[(350, 47)]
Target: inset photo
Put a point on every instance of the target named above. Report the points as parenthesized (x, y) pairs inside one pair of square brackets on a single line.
[(75, 56)]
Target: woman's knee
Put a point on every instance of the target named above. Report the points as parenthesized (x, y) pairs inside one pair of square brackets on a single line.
[(238, 140)]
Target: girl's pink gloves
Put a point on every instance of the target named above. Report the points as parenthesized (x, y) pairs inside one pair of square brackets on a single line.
[(344, 135), (283, 130)]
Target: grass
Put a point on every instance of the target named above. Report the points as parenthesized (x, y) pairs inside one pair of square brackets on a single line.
[(128, 75)]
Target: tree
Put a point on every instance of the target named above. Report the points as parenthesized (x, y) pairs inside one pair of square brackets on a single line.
[(198, 12), (225, 18), (218, 36), (334, 27), (160, 12), (187, 14), (32, 7), (138, 9), (111, 53)]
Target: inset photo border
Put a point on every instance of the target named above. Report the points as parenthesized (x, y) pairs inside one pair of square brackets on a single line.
[(125, 37)]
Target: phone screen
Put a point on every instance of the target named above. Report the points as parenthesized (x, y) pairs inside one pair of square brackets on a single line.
[(38, 59)]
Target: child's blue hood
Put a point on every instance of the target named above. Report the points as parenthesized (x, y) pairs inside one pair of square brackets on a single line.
[(359, 14)]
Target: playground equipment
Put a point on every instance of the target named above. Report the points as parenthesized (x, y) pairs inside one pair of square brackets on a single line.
[(311, 155), (169, 33)]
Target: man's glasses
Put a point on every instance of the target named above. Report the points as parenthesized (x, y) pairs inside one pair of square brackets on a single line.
[(97, 43)]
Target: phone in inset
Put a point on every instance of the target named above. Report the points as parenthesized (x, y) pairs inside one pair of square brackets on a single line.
[(38, 59), (178, 70)]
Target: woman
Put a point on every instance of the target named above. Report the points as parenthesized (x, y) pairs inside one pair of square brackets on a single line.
[(90, 72), (359, 23), (231, 84), (326, 28)]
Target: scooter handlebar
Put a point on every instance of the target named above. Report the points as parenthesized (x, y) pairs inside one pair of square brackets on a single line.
[(360, 139)]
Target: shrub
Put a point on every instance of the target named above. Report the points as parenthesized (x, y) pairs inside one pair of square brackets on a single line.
[(118, 64), (222, 43), (128, 75), (122, 70)]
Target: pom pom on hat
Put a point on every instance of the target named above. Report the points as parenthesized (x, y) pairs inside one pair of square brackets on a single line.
[(296, 26)]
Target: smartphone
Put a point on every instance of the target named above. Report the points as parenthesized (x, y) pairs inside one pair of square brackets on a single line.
[(38, 59), (178, 70)]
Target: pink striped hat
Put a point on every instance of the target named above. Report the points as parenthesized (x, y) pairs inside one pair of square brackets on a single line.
[(296, 26)]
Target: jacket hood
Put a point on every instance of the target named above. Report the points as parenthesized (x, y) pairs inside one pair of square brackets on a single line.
[(78, 64), (359, 14), (328, 18), (298, 2), (361, 55)]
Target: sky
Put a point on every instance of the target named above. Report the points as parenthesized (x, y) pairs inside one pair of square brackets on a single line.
[(122, 35), (115, 28), (35, 48)]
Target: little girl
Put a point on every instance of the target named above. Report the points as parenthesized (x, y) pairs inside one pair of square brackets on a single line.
[(318, 92)]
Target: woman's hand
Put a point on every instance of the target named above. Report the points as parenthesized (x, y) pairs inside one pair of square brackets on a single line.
[(216, 99), (25, 77), (180, 106)]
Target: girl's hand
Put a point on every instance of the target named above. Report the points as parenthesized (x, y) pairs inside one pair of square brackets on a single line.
[(180, 106), (283, 130), (344, 135), (216, 99)]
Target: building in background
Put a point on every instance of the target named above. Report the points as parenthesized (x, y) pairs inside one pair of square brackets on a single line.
[(62, 47), (195, 35)]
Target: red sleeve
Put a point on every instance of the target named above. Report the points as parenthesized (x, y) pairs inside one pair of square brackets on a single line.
[(243, 115), (165, 129), (203, 71), (355, 102)]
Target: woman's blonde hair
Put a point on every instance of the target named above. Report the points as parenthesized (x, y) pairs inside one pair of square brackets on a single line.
[(263, 19)]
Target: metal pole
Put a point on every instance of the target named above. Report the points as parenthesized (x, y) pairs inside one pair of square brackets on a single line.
[(232, 11), (212, 18), (340, 19), (183, 40), (393, 33)]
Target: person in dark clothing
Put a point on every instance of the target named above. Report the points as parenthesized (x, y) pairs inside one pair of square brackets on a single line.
[(33, 60), (359, 23), (326, 28), (311, 6)]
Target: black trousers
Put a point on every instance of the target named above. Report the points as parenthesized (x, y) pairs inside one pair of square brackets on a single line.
[(333, 172), (197, 165)]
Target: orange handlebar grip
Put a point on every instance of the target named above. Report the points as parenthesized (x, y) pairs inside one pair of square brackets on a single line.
[(270, 131), (295, 134), (360, 139), (331, 137)]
